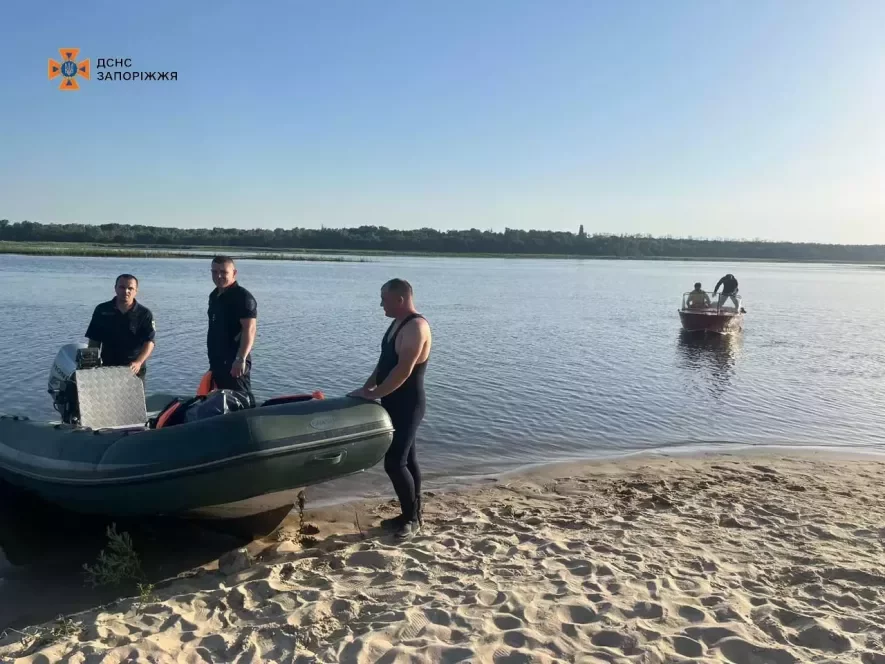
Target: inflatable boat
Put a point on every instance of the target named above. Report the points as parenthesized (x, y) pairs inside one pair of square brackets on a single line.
[(202, 456)]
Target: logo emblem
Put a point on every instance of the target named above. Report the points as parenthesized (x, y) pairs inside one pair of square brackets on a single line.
[(68, 69), (320, 423)]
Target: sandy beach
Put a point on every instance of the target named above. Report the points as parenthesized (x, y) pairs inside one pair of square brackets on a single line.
[(745, 558)]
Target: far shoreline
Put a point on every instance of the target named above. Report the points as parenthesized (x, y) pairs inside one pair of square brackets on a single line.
[(87, 250)]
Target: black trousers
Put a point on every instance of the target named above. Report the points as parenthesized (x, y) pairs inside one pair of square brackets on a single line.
[(224, 381)]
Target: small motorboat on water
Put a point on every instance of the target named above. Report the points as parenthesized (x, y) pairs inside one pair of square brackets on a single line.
[(116, 453), (703, 314)]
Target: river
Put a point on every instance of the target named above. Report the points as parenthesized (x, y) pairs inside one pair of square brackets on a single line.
[(534, 361)]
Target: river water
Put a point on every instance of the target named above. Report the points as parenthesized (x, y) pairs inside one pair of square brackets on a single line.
[(534, 361)]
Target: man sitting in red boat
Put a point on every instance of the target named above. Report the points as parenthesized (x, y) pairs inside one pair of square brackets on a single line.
[(698, 298)]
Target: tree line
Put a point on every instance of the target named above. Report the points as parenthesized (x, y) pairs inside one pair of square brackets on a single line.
[(429, 240)]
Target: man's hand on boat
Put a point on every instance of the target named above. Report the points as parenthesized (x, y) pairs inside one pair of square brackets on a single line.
[(135, 367), (362, 393)]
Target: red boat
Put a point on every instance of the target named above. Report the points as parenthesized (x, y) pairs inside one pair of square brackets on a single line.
[(710, 317)]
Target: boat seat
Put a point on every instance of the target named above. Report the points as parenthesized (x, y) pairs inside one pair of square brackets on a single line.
[(110, 397)]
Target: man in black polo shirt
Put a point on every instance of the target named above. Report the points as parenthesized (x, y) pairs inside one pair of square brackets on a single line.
[(123, 328), (233, 314)]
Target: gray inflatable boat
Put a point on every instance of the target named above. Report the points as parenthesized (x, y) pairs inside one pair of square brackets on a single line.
[(109, 455)]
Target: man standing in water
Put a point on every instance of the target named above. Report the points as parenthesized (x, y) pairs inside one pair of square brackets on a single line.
[(233, 316), (398, 381), (123, 328)]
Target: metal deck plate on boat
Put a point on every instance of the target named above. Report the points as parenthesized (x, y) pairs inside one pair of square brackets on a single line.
[(110, 397)]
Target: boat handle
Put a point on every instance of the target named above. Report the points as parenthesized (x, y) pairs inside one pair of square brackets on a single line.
[(330, 458)]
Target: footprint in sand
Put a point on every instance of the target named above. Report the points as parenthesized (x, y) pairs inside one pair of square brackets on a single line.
[(710, 635), (818, 637), (578, 567), (854, 625), (687, 647), (342, 606), (737, 650), (514, 657), (792, 619), (386, 618), (727, 614), (712, 600), (611, 639), (855, 576), (506, 622), (614, 588), (438, 617), (379, 560), (487, 547), (490, 597), (452, 655), (692, 614), (605, 548), (648, 611), (516, 639), (575, 613)]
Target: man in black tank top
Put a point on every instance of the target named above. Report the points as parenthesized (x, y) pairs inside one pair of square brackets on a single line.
[(398, 381)]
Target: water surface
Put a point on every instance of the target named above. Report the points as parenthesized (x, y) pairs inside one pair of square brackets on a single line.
[(533, 360)]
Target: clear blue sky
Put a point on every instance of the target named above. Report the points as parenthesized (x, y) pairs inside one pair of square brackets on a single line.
[(705, 118)]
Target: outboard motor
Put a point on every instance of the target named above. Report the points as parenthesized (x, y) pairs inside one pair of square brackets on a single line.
[(62, 386)]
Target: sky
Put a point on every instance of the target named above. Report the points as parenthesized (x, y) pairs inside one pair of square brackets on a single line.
[(739, 119)]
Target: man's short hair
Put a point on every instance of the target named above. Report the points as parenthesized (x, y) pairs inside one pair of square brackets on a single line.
[(127, 277), (399, 286), (698, 285), (223, 260)]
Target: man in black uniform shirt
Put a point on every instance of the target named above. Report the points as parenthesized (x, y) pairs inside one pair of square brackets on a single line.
[(123, 328), (729, 290), (233, 314)]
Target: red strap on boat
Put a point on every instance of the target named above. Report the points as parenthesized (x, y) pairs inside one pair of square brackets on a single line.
[(166, 414)]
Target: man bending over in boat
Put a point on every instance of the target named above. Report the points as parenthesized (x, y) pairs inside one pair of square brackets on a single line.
[(233, 317), (729, 290), (698, 298), (398, 380), (123, 328)]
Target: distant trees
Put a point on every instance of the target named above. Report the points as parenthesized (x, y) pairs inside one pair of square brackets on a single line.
[(472, 241)]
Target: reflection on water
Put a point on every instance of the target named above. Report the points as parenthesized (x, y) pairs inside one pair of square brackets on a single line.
[(713, 356)]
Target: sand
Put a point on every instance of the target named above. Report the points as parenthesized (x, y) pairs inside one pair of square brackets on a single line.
[(732, 558)]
